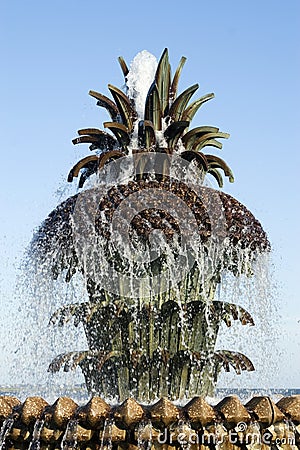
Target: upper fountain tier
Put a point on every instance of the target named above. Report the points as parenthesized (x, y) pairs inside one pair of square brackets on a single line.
[(152, 150)]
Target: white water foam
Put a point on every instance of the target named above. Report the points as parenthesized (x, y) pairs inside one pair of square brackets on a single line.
[(139, 79)]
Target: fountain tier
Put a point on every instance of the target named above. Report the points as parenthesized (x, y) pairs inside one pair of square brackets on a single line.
[(260, 424)]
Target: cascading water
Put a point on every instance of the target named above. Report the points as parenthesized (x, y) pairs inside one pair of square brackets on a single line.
[(5, 430), (36, 435), (69, 440)]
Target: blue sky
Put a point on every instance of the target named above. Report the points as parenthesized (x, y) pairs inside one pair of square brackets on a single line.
[(247, 53)]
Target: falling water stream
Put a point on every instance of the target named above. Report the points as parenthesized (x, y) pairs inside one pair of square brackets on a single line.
[(144, 435), (106, 435), (69, 440), (36, 434), (5, 430)]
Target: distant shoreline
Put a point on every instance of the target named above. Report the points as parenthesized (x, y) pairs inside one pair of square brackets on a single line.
[(79, 393)]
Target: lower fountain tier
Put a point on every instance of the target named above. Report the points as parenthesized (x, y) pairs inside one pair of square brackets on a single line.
[(95, 425)]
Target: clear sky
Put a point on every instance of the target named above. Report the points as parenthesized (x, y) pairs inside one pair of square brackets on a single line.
[(247, 53)]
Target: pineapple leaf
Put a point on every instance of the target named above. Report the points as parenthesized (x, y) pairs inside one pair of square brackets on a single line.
[(98, 138), (207, 137), (177, 108), (174, 132), (107, 156), (239, 362), (120, 131), (123, 65), (193, 108), (230, 310), (214, 162), (197, 133), (216, 174), (153, 111), (174, 86), (68, 360), (163, 81), (127, 112), (200, 158), (207, 143), (106, 103), (83, 163), (146, 134)]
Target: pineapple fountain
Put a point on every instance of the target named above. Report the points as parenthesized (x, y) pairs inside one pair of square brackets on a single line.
[(151, 240)]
